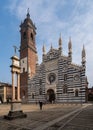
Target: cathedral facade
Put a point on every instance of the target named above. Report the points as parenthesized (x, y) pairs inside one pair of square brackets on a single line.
[(56, 79)]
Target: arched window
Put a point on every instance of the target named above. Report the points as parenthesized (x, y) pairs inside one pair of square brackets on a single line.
[(76, 93), (24, 35), (40, 91), (31, 36), (23, 70), (65, 89), (65, 77), (32, 95), (40, 81)]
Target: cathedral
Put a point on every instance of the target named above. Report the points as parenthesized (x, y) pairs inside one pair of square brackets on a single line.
[(56, 79)]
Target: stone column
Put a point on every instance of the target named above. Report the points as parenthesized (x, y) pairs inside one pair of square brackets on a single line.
[(13, 87), (5, 95), (18, 86)]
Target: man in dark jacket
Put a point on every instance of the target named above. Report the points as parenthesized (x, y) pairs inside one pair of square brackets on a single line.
[(40, 104)]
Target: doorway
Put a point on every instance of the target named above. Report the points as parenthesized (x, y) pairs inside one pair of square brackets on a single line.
[(50, 95)]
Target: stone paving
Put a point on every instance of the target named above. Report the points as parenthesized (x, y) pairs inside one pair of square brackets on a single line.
[(81, 121), (52, 117)]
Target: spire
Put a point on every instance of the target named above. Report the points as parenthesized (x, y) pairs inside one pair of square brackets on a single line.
[(60, 42), (51, 46), (83, 57), (70, 50), (83, 52), (28, 15), (43, 49), (70, 45)]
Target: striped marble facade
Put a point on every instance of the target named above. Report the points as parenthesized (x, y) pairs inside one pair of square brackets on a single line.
[(57, 79)]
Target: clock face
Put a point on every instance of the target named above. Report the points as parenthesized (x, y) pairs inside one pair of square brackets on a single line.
[(51, 77)]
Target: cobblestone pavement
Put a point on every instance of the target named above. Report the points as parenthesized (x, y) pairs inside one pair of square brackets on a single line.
[(52, 117), (80, 120)]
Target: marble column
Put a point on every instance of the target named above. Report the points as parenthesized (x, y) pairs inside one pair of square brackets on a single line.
[(18, 86), (13, 87)]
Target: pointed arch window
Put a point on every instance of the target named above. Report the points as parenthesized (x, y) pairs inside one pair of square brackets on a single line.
[(32, 95), (65, 89), (40, 81), (40, 91), (76, 93), (65, 77)]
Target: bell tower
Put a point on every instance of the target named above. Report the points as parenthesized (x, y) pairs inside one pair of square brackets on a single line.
[(28, 53)]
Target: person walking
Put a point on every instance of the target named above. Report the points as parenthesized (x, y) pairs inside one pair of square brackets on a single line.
[(40, 104)]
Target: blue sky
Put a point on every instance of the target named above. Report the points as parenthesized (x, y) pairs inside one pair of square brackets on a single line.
[(71, 18)]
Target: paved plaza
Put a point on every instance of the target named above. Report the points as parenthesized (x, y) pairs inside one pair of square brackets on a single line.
[(52, 117)]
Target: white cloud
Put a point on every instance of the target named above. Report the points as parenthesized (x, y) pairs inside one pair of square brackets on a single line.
[(71, 18)]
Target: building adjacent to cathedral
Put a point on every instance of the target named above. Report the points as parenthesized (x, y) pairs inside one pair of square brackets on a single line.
[(56, 79)]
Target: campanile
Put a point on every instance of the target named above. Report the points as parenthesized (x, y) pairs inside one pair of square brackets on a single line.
[(28, 53)]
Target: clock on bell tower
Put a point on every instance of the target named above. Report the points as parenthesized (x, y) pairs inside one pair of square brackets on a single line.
[(28, 53)]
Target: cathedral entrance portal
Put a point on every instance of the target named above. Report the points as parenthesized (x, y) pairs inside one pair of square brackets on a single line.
[(50, 95)]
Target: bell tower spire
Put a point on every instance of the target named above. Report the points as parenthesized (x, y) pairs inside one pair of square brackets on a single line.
[(28, 53), (44, 49), (70, 46), (60, 42), (83, 56), (70, 50)]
